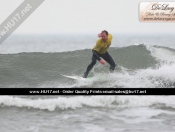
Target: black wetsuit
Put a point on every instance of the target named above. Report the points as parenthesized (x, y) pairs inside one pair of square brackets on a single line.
[(96, 56)]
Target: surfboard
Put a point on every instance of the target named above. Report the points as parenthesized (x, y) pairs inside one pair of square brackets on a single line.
[(74, 77), (84, 79)]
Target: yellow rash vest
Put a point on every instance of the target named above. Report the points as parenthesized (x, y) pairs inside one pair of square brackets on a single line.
[(101, 46)]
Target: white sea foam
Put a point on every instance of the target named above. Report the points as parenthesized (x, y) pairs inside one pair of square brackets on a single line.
[(151, 78), (90, 101), (163, 55), (159, 77)]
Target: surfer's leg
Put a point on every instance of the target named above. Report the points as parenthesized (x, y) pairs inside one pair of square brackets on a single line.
[(90, 66), (107, 57)]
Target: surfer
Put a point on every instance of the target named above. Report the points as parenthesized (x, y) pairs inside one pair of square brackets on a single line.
[(100, 50)]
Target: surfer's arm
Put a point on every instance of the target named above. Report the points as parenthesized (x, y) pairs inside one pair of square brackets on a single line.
[(96, 49), (96, 55)]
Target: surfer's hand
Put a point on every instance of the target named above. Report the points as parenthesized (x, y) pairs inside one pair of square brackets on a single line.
[(99, 35), (102, 62)]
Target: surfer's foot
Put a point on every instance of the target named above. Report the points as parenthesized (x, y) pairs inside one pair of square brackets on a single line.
[(84, 75)]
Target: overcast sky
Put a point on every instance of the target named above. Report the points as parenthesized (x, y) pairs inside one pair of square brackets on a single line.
[(85, 16)]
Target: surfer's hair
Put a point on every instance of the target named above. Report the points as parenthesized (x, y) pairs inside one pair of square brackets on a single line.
[(105, 32)]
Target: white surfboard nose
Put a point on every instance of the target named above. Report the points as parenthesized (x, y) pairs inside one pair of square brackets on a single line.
[(74, 77)]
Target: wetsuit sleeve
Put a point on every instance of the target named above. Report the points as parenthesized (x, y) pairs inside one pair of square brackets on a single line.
[(96, 55)]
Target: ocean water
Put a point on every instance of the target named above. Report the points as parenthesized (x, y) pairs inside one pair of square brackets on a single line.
[(38, 60)]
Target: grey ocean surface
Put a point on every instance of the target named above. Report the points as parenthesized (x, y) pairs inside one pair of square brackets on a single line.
[(38, 60)]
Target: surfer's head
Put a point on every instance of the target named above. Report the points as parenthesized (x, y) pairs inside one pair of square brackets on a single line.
[(104, 35)]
